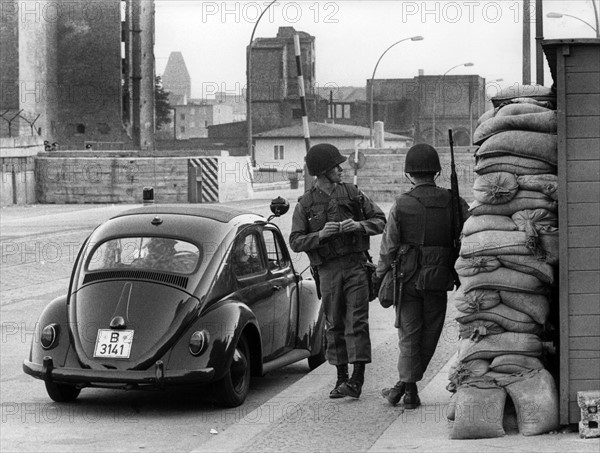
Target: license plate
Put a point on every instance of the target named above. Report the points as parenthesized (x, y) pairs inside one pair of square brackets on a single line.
[(115, 344)]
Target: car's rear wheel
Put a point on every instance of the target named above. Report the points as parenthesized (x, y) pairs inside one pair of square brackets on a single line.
[(319, 359), (233, 388), (62, 393)]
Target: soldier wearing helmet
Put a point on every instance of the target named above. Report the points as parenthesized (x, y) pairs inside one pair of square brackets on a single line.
[(332, 223), (418, 234)]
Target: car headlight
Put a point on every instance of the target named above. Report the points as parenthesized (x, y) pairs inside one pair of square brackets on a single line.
[(198, 342), (49, 336)]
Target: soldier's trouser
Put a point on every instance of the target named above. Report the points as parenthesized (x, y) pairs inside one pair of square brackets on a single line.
[(345, 293), (422, 315)]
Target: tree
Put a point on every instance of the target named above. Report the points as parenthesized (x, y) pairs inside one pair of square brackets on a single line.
[(162, 108)]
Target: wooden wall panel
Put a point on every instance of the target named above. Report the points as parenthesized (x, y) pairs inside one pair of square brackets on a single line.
[(583, 104), (583, 126), (586, 192), (584, 343), (583, 148), (585, 259), (584, 369), (583, 236), (583, 304), (584, 170), (584, 282), (583, 83), (582, 59), (583, 213), (585, 326)]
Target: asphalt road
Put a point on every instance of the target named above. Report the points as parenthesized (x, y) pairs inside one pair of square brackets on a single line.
[(39, 245)]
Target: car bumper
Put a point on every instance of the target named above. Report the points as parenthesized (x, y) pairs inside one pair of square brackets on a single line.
[(156, 376)]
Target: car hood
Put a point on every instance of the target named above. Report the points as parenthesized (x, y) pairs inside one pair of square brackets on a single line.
[(156, 313)]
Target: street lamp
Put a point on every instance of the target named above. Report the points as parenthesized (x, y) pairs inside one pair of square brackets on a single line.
[(413, 38), (435, 95), (596, 28), (248, 86)]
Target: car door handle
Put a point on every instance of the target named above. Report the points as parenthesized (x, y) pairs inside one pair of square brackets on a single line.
[(277, 288)]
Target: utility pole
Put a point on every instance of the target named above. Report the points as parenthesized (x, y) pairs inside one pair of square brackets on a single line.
[(526, 42), (539, 36)]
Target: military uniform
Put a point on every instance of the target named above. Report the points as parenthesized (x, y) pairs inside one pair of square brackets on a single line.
[(340, 260), (420, 227)]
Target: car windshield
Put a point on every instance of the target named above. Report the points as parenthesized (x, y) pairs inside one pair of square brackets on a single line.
[(156, 253)]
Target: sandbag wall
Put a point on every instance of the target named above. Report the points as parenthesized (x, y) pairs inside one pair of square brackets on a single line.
[(508, 267)]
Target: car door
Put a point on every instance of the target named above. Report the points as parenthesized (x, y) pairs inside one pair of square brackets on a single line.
[(284, 297), (248, 263)]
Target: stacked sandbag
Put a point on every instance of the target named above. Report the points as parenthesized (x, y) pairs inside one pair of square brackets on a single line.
[(507, 262)]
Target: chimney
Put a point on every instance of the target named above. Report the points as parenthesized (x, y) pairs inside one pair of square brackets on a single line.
[(421, 72)]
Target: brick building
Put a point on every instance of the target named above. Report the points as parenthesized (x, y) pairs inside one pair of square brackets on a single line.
[(274, 85), (408, 106)]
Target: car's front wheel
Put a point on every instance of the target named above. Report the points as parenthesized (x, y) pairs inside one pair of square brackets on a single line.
[(234, 386), (62, 393)]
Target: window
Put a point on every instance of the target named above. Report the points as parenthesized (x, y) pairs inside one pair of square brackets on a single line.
[(275, 255), (246, 256), (296, 113), (182, 116), (278, 152), (182, 129), (155, 253), (346, 110)]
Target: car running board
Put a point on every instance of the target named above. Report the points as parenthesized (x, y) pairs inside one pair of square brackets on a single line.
[(294, 355)]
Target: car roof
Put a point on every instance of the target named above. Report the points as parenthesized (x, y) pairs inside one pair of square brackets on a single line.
[(220, 213)]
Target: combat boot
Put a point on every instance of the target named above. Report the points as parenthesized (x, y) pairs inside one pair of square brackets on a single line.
[(354, 385), (342, 378), (394, 394), (411, 399)]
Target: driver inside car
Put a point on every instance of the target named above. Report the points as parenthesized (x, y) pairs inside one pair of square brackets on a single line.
[(244, 262), (159, 253)]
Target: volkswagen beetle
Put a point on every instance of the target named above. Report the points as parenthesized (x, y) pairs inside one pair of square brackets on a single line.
[(173, 295)]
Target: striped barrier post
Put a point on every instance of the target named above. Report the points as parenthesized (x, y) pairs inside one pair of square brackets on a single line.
[(308, 180), (207, 173)]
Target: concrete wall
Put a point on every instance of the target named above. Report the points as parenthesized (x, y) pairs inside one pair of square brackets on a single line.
[(112, 179), (17, 169), (382, 178)]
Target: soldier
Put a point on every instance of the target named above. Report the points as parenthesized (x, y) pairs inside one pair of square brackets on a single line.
[(419, 233), (332, 223)]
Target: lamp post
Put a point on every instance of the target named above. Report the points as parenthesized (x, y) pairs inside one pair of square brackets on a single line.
[(249, 86), (413, 38), (435, 95), (596, 16)]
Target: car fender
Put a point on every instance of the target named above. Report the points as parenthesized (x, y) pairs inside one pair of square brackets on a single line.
[(224, 322), (311, 319), (54, 313)]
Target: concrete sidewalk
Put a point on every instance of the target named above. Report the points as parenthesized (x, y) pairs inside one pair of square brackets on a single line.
[(303, 419)]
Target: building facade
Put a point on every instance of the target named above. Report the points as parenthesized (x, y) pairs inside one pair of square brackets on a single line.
[(420, 105), (274, 87), (84, 77)]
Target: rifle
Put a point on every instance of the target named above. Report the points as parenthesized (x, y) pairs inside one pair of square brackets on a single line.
[(457, 216)]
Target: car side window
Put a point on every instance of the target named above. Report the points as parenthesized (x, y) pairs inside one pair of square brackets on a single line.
[(276, 257), (247, 259)]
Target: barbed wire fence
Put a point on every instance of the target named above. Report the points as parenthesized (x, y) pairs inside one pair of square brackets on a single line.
[(9, 116)]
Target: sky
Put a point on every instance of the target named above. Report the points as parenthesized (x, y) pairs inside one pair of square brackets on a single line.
[(351, 35)]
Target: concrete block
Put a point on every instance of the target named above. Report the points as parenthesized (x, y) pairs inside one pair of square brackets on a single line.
[(589, 403)]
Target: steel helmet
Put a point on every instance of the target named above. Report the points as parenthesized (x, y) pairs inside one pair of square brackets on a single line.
[(422, 158), (322, 157)]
